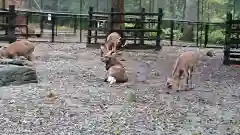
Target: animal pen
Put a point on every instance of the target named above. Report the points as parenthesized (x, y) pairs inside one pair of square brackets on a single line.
[(71, 97), (138, 31), (184, 22)]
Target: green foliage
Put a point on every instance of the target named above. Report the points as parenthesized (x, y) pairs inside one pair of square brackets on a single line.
[(216, 37), (167, 32), (129, 24)]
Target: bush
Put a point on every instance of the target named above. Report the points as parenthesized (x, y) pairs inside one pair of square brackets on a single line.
[(216, 37), (176, 33), (199, 35), (63, 28), (129, 24)]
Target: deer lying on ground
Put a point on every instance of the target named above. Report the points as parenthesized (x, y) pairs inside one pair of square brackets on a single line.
[(18, 48), (183, 68), (113, 42), (116, 72)]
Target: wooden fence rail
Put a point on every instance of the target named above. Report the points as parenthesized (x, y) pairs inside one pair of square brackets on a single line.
[(138, 31), (232, 41), (9, 26)]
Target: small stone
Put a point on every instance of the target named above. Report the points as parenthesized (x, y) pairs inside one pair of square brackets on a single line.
[(12, 101), (132, 97)]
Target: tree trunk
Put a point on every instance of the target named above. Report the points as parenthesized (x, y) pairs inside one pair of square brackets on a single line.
[(190, 15), (172, 8), (159, 4), (184, 9), (118, 6)]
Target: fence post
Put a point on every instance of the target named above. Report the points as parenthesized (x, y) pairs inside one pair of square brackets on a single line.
[(90, 14), (206, 35), (158, 38), (4, 4), (53, 26), (12, 24), (6, 28), (96, 31), (75, 24), (111, 20), (80, 29), (227, 37), (171, 32), (56, 24), (142, 24), (41, 23), (27, 22)]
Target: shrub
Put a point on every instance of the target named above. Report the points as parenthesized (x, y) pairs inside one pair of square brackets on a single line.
[(167, 32), (63, 28), (216, 37), (129, 24), (199, 35)]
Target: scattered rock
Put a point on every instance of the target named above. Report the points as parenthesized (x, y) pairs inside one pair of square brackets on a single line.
[(51, 94), (132, 97), (210, 53)]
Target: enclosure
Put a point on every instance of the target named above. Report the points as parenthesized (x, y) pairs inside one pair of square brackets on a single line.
[(192, 16), (71, 97), (81, 103)]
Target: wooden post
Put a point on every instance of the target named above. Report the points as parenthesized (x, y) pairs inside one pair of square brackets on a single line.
[(206, 35), (4, 4), (171, 32), (3, 17), (41, 18), (226, 60), (95, 31), (56, 23), (142, 24), (12, 23), (90, 25), (27, 21), (118, 6), (80, 21), (75, 24), (158, 38), (111, 21), (53, 26), (41, 23)]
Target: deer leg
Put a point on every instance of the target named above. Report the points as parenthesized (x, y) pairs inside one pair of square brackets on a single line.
[(30, 57), (178, 85), (186, 80), (190, 77)]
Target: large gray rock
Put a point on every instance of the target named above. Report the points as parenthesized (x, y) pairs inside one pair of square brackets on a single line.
[(16, 72)]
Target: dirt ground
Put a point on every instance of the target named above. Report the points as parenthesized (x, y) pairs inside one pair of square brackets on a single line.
[(82, 103)]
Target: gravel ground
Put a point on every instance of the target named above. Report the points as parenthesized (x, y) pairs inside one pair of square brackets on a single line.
[(71, 97)]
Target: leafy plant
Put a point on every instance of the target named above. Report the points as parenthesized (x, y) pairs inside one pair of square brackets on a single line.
[(216, 37), (166, 33), (129, 24)]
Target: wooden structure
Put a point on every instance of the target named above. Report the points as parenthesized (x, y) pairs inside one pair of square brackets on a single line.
[(19, 4), (10, 25), (232, 41), (118, 6), (140, 31)]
